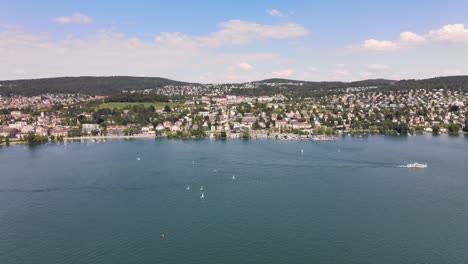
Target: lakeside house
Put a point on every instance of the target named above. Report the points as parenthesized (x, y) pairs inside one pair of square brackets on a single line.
[(116, 130), (89, 128), (60, 132)]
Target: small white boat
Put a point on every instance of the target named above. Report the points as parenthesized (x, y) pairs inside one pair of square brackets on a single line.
[(302, 150), (138, 158), (233, 177), (202, 196), (415, 165), (339, 150), (188, 188), (201, 188)]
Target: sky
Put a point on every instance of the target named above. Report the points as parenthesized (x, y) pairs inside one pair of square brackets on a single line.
[(212, 41)]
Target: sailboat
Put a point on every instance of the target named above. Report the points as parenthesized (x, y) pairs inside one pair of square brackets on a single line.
[(202, 196), (233, 177)]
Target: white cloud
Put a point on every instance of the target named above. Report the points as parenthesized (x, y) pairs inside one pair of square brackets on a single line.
[(245, 66), (75, 18), (411, 37), (377, 67), (451, 33), (275, 13), (172, 55), (234, 32), (380, 45)]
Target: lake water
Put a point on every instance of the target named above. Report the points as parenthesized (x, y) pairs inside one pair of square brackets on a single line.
[(345, 201)]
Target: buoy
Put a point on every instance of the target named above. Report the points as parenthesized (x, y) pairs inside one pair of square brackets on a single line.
[(163, 236)]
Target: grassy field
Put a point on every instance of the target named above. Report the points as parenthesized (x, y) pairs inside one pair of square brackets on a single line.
[(121, 105)]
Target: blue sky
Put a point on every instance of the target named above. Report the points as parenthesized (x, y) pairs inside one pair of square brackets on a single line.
[(234, 41)]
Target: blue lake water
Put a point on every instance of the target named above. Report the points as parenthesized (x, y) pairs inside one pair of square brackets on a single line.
[(345, 201)]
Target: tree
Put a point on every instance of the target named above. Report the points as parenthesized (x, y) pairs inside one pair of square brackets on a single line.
[(453, 128), (167, 109), (256, 126), (436, 129), (31, 138), (245, 134)]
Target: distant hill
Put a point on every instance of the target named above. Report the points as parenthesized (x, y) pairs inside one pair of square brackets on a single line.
[(370, 82), (116, 84), (450, 82), (84, 85), (277, 80)]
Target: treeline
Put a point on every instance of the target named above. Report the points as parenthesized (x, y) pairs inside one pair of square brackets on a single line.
[(290, 88), (128, 97), (448, 83), (115, 85), (314, 89), (84, 85)]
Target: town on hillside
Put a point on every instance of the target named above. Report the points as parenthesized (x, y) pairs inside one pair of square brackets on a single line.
[(233, 111)]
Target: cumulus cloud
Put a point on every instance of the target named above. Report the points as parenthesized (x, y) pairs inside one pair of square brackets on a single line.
[(451, 33), (173, 55), (411, 37), (75, 18), (275, 13), (245, 66), (234, 32), (380, 45)]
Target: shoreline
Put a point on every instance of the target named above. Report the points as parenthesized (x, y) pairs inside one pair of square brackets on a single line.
[(335, 137), (107, 137)]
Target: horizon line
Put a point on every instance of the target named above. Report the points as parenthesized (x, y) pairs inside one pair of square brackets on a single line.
[(253, 81)]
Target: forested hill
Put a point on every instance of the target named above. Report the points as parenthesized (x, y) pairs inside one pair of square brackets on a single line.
[(451, 82), (85, 85), (116, 84), (370, 82)]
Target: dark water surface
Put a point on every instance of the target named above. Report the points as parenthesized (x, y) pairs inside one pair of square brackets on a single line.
[(337, 202)]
